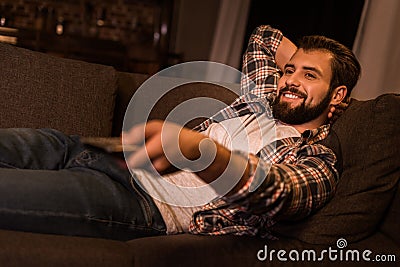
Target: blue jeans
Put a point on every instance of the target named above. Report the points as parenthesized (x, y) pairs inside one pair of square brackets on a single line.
[(51, 183)]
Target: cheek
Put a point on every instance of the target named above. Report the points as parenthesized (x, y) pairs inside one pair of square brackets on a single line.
[(316, 97), (281, 83)]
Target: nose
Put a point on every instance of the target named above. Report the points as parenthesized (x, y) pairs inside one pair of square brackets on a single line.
[(292, 80)]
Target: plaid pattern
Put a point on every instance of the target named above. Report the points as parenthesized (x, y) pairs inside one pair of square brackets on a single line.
[(294, 176), (260, 74), (259, 80)]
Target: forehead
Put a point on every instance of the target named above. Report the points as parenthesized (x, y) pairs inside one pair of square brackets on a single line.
[(313, 59)]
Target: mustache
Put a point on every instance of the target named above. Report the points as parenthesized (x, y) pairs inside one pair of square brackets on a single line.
[(293, 90)]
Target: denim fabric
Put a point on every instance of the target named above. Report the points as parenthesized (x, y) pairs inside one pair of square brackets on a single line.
[(51, 183)]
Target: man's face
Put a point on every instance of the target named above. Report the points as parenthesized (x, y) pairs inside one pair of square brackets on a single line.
[(303, 90)]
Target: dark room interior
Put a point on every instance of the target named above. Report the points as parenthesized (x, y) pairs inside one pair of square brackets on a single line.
[(310, 174), (141, 36)]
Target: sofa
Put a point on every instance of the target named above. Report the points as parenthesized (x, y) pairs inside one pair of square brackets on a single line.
[(361, 222)]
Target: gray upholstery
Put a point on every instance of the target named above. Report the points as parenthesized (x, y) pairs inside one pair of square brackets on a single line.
[(79, 98), (42, 91)]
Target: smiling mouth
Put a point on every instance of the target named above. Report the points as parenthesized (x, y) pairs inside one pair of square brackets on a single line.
[(292, 93), (291, 96)]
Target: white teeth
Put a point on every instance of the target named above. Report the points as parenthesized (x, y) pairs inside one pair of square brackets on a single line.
[(291, 96)]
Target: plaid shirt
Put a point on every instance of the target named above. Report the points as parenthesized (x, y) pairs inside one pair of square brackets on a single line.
[(294, 176)]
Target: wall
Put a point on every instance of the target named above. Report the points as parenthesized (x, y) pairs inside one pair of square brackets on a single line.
[(195, 28), (377, 47)]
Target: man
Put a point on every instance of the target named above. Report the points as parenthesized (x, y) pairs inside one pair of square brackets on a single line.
[(318, 77), (85, 192)]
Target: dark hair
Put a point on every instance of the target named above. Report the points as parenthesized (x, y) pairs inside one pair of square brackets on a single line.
[(346, 69)]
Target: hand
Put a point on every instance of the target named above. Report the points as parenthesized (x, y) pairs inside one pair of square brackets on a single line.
[(168, 145), (336, 111), (284, 52)]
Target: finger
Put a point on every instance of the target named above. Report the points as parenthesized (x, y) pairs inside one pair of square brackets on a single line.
[(135, 135), (146, 154), (161, 164), (138, 159), (343, 105), (142, 131)]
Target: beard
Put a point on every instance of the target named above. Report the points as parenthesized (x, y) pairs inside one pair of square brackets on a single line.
[(300, 114)]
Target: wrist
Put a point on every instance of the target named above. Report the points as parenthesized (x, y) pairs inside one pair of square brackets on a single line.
[(245, 181), (285, 51), (213, 162)]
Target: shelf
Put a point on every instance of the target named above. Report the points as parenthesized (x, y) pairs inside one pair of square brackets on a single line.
[(118, 33)]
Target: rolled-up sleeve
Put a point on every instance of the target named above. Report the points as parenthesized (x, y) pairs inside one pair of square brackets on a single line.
[(260, 71), (290, 191)]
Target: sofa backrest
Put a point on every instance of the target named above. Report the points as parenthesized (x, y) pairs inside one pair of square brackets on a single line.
[(132, 84), (43, 91)]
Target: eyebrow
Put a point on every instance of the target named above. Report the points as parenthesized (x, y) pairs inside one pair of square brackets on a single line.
[(289, 65)]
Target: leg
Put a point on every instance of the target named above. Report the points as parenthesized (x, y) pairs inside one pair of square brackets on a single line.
[(51, 183), (48, 149), (36, 149), (76, 201)]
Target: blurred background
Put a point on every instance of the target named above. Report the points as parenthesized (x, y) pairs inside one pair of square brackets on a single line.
[(146, 36)]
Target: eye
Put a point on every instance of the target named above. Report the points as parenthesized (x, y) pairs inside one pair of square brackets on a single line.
[(310, 76), (288, 71)]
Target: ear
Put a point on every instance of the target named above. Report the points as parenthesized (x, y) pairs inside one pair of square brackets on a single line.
[(339, 93)]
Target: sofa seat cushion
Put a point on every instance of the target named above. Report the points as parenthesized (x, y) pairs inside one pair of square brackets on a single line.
[(366, 139), (31, 249), (42, 91), (230, 250)]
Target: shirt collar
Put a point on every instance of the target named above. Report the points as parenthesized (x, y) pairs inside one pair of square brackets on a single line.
[(315, 135)]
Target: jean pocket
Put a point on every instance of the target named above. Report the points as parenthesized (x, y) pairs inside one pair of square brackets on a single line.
[(86, 158)]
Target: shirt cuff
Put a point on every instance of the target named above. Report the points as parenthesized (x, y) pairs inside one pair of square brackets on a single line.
[(268, 37), (257, 174)]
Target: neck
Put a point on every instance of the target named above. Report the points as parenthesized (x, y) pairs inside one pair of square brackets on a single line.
[(313, 124)]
